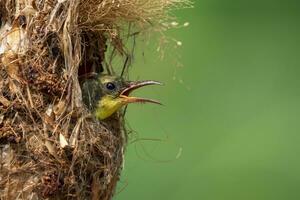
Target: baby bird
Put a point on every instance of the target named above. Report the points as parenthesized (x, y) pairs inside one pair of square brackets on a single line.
[(106, 94)]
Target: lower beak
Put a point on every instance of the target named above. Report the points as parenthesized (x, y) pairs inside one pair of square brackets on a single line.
[(133, 85)]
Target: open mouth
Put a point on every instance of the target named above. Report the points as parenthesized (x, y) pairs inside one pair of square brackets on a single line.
[(133, 85)]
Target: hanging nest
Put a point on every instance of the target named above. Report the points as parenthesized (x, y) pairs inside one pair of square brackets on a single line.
[(51, 147)]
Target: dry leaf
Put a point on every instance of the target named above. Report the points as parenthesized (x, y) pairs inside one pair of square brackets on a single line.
[(62, 141), (59, 108), (51, 148), (14, 89), (11, 64), (5, 101), (15, 40)]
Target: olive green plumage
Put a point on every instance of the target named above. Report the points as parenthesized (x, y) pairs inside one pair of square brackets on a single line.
[(106, 94)]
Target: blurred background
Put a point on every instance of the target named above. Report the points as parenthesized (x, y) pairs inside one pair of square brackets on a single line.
[(229, 127)]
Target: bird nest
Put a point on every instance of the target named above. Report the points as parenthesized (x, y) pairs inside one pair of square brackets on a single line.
[(51, 147)]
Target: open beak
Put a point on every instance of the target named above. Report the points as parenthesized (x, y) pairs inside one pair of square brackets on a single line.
[(133, 85)]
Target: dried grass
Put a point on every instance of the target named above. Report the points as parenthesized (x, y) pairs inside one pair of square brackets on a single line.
[(50, 145)]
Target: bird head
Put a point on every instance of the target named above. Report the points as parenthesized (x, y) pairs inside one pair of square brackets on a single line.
[(115, 93)]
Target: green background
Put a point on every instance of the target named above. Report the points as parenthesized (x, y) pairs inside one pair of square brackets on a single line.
[(229, 127)]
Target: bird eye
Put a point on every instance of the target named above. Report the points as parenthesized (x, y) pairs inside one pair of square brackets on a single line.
[(110, 86)]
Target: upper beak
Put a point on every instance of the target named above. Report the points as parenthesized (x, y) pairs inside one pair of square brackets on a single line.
[(133, 85)]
